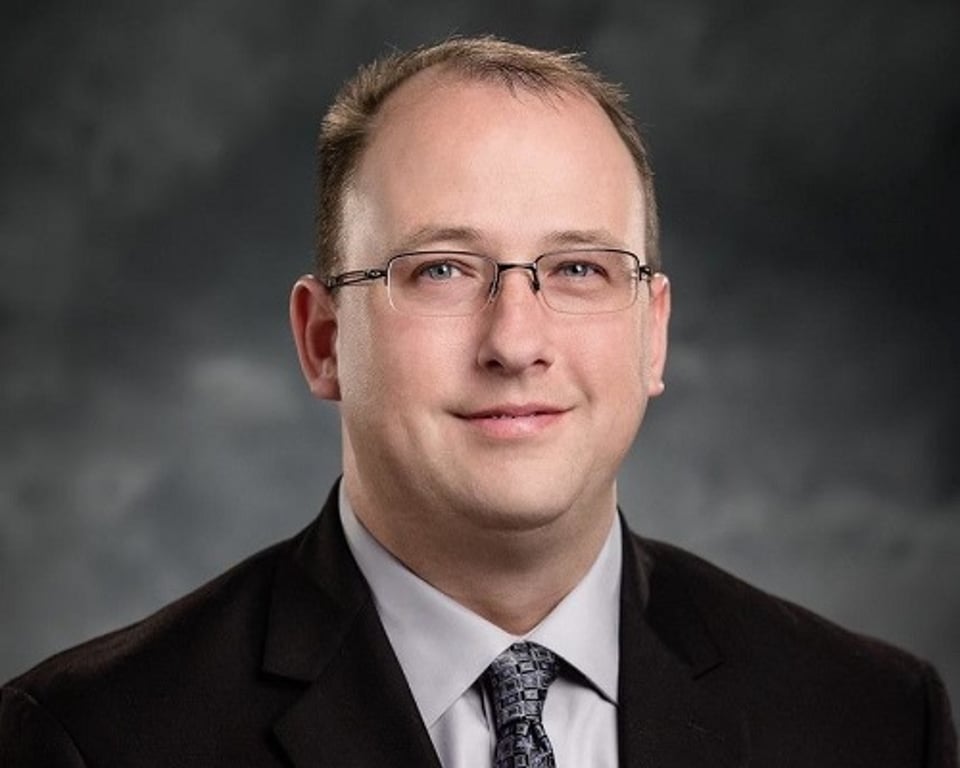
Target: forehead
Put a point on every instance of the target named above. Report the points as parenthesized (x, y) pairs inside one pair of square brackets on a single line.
[(511, 163)]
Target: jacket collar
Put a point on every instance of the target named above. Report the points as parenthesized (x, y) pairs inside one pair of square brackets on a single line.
[(323, 631), (668, 716)]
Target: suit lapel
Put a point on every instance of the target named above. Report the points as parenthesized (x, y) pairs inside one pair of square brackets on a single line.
[(666, 716), (356, 709)]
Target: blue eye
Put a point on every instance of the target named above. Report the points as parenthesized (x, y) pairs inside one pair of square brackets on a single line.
[(579, 269), (439, 271)]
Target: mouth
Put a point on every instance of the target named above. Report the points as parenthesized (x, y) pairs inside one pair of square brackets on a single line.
[(514, 421), (515, 412)]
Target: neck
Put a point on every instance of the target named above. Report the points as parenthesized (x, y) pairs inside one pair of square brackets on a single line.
[(512, 575)]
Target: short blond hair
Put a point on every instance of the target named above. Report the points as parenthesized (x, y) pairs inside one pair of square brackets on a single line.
[(347, 126)]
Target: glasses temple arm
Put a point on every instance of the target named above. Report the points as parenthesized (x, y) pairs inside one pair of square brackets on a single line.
[(353, 277)]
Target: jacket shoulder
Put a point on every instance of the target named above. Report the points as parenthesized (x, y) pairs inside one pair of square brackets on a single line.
[(227, 602), (749, 622), (795, 673), (112, 693)]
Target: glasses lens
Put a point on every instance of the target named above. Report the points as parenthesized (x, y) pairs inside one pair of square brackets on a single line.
[(586, 282), (439, 283)]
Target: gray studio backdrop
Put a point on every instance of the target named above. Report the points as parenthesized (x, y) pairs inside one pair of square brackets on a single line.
[(155, 206)]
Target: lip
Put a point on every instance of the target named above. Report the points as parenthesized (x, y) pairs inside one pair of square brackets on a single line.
[(511, 420), (514, 411)]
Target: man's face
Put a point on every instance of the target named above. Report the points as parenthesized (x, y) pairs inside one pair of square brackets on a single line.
[(518, 415)]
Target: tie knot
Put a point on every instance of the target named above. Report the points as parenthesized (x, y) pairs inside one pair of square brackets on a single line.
[(518, 680)]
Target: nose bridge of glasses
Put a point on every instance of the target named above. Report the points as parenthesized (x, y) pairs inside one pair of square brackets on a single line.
[(502, 267)]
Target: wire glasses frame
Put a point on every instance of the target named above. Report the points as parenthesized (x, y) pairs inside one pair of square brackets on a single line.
[(460, 283)]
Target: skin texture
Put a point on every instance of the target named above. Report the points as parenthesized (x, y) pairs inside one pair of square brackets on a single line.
[(504, 515)]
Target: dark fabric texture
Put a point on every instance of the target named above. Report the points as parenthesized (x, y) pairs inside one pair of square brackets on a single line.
[(283, 661)]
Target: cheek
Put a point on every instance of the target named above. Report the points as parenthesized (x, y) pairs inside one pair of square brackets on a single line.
[(612, 355), (623, 362), (363, 363), (394, 364)]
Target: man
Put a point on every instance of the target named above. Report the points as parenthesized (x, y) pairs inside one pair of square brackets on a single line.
[(490, 315)]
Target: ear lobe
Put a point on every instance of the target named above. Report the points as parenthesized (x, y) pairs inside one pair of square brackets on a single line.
[(313, 320), (659, 320)]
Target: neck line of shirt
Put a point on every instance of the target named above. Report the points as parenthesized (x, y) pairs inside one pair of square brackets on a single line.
[(443, 647)]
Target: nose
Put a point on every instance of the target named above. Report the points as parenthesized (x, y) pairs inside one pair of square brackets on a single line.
[(515, 335)]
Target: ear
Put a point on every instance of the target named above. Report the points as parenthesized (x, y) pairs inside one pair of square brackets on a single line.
[(658, 320), (313, 319)]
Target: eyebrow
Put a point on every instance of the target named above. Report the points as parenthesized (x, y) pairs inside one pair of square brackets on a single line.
[(431, 235), (471, 237), (602, 238)]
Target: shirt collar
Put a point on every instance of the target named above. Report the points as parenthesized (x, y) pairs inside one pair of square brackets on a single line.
[(444, 647), (584, 628)]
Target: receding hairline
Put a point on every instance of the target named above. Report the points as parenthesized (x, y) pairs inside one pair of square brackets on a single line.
[(449, 73), (495, 60)]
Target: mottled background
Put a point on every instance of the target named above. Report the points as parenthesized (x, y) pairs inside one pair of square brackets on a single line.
[(155, 205)]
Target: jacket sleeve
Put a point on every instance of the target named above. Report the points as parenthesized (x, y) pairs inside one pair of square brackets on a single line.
[(30, 737), (941, 742)]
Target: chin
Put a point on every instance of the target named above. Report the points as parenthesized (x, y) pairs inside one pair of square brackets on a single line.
[(506, 509), (510, 522)]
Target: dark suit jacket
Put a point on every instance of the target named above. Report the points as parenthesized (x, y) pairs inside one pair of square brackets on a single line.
[(283, 661)]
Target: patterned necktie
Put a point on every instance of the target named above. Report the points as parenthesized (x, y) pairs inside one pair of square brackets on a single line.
[(518, 680)]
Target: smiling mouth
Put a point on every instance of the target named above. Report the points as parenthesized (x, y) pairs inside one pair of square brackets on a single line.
[(514, 422), (515, 412)]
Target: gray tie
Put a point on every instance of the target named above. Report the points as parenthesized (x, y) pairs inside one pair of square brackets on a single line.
[(518, 680)]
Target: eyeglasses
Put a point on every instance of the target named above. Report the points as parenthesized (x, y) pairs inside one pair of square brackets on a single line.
[(457, 283)]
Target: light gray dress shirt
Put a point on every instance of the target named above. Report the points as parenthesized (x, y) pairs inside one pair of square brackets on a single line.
[(444, 648)]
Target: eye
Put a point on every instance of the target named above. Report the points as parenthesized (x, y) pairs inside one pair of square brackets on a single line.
[(579, 270), (439, 271)]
